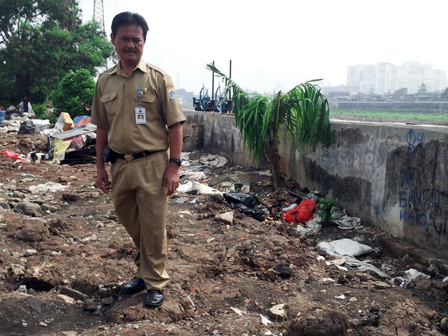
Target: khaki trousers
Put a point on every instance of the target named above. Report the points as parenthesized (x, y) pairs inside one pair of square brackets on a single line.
[(141, 205)]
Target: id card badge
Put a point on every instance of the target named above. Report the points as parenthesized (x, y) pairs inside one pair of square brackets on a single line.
[(140, 116)]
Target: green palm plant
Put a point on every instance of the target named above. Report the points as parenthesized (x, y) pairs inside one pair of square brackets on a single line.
[(303, 113)]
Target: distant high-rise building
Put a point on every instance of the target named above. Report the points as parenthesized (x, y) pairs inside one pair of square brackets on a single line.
[(387, 78)]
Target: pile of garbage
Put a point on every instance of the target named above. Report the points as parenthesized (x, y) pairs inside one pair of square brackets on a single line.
[(75, 137), (197, 179)]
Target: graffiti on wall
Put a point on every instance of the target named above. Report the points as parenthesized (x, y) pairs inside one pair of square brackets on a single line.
[(415, 199), (414, 139), (419, 201)]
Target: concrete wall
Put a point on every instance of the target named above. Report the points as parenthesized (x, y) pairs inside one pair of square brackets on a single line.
[(394, 176)]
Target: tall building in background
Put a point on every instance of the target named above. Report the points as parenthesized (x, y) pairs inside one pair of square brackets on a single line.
[(387, 78)]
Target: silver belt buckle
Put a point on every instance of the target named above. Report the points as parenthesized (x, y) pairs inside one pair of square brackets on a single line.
[(128, 157)]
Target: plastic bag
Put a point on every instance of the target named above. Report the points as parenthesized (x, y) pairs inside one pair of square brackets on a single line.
[(301, 213), (248, 204), (10, 154)]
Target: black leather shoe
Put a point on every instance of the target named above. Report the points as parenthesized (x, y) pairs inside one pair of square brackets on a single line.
[(134, 286), (154, 298)]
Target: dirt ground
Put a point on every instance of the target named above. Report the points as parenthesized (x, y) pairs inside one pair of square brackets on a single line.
[(62, 265)]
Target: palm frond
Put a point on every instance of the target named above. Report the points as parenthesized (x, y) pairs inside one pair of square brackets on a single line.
[(303, 113)]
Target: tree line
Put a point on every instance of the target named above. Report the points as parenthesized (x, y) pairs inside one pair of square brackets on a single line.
[(41, 42)]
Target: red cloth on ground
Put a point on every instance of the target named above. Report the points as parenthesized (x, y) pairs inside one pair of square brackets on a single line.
[(301, 213)]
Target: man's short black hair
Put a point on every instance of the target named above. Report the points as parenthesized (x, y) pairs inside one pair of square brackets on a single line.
[(128, 18)]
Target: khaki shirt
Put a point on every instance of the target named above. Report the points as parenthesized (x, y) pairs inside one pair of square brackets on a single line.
[(115, 102)]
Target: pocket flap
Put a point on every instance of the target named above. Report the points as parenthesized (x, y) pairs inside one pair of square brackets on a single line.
[(108, 97)]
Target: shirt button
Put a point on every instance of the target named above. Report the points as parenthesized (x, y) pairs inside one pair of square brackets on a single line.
[(126, 112), (125, 128), (127, 96)]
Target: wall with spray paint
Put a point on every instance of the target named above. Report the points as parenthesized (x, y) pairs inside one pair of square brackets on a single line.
[(392, 175)]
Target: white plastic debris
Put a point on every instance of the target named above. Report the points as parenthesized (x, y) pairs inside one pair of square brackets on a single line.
[(364, 266), (343, 221), (292, 206), (311, 227), (445, 279), (265, 320), (185, 188), (47, 187), (340, 297), (278, 311), (412, 275), (237, 311), (204, 189), (344, 247)]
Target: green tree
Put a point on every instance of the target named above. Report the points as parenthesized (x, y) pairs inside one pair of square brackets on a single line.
[(75, 93), (40, 41), (303, 113)]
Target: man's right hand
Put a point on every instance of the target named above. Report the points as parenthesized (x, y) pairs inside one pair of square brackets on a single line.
[(102, 180)]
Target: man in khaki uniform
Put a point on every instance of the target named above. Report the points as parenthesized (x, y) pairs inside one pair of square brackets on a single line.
[(139, 117)]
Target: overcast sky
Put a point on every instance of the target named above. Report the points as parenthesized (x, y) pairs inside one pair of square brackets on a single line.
[(281, 41)]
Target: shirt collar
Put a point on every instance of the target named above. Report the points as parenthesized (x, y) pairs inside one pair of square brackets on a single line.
[(119, 71)]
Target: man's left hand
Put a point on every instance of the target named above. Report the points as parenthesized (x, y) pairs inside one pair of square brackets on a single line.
[(171, 180)]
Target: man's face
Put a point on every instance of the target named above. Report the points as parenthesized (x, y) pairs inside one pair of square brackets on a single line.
[(129, 44)]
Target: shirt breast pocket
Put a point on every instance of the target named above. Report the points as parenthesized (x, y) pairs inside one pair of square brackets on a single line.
[(109, 101), (149, 102)]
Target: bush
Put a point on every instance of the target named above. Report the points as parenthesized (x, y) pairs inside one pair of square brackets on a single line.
[(40, 110), (75, 93)]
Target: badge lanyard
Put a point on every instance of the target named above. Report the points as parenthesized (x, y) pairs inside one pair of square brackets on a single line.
[(140, 112)]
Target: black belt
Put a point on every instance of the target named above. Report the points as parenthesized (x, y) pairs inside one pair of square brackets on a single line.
[(130, 157)]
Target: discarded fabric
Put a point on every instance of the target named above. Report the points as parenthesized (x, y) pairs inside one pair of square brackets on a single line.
[(344, 247)]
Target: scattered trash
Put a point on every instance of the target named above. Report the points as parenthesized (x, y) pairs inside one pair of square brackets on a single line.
[(181, 200), (265, 320), (195, 176), (10, 154), (278, 311), (237, 311), (364, 266), (248, 204), (185, 188), (411, 275), (344, 247), (292, 206), (301, 213), (313, 226), (340, 297), (33, 126), (204, 189), (226, 218), (47, 187), (64, 122), (445, 279), (343, 221)]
